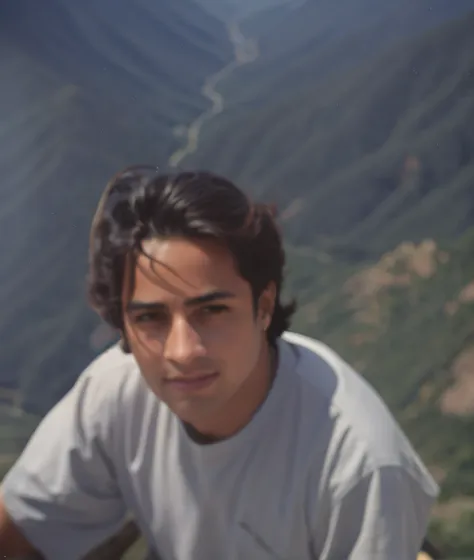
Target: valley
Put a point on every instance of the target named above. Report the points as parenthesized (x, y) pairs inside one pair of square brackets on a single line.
[(245, 52), (356, 120)]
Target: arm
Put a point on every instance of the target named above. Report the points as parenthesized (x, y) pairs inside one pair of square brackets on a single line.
[(61, 497), (383, 516), (117, 545), (13, 543)]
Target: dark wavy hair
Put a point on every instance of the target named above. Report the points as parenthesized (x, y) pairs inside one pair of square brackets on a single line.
[(139, 203)]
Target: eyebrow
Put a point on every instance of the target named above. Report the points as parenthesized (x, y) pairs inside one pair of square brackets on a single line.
[(136, 305)]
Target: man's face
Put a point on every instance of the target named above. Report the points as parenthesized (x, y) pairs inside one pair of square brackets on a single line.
[(192, 326)]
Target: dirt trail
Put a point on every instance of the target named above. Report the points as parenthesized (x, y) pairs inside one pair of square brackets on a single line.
[(245, 51)]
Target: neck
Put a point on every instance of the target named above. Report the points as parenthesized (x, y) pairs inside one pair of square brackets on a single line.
[(239, 411)]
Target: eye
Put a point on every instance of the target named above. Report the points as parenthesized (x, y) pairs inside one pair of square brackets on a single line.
[(214, 309), (150, 317)]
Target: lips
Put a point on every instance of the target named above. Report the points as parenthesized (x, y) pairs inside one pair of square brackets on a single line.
[(192, 383)]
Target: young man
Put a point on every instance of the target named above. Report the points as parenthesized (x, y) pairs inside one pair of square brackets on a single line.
[(225, 436)]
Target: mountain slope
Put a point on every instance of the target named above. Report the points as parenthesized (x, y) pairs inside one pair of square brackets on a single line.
[(365, 142), (406, 322), (376, 155), (124, 51), (305, 41), (88, 88)]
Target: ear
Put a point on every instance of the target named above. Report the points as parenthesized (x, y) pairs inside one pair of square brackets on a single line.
[(266, 305)]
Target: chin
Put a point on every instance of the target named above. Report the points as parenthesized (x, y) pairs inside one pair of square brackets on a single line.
[(193, 410)]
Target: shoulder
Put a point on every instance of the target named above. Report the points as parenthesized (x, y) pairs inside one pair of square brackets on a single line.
[(111, 366), (351, 401), (363, 435), (93, 415), (105, 393), (112, 394), (109, 377)]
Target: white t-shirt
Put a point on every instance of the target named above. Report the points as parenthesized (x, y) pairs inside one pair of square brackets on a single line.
[(321, 472)]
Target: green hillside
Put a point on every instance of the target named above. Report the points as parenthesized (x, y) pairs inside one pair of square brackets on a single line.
[(15, 429), (407, 323)]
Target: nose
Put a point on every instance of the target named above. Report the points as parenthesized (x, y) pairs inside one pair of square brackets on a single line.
[(183, 345)]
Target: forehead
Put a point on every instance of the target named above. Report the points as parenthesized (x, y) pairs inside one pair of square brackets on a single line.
[(182, 268)]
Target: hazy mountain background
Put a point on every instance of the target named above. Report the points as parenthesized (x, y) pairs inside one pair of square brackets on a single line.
[(355, 117), (87, 87), (241, 9)]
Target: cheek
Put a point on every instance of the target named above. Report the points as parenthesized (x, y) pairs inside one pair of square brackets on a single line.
[(150, 362), (225, 331), (152, 369), (147, 352), (237, 344), (144, 338)]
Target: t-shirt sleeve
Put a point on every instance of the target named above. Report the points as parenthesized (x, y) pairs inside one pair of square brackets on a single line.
[(384, 516), (62, 492)]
